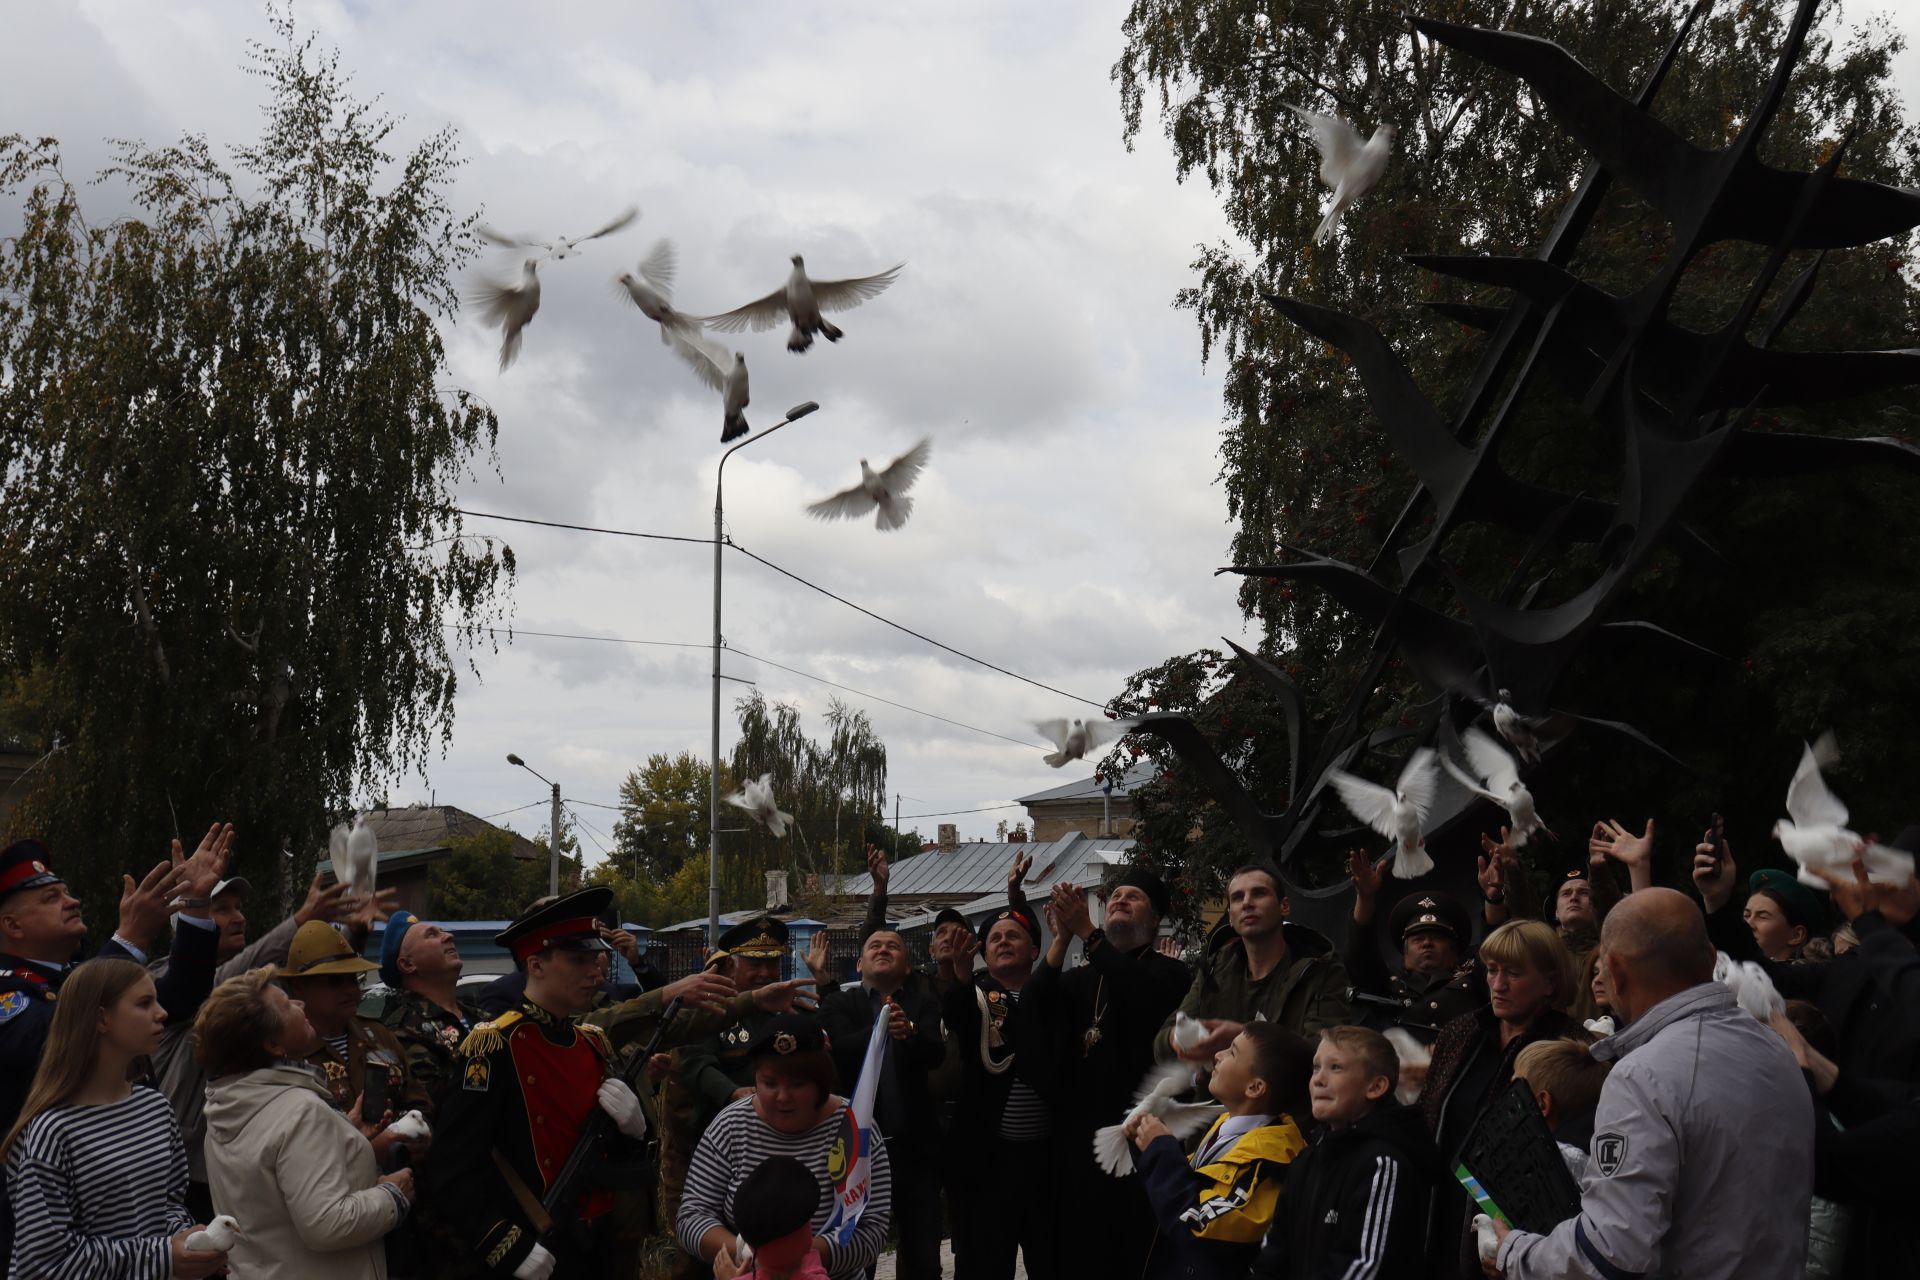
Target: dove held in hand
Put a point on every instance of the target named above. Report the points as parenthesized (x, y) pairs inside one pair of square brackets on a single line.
[(756, 797), (411, 1127), (218, 1236), (1399, 814), (883, 490), (802, 300), (1157, 1098), (354, 854), (1348, 166), (1815, 832)]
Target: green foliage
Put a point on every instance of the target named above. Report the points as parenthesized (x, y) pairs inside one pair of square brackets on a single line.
[(1808, 608), (228, 455), (835, 790), (482, 880)]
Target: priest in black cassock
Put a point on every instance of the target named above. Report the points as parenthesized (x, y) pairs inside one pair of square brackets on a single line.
[(1103, 1015)]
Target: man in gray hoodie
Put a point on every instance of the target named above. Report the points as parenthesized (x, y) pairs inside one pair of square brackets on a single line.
[(1702, 1152)]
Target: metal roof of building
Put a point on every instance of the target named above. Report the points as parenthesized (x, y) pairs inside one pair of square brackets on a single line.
[(971, 870), (1088, 789)]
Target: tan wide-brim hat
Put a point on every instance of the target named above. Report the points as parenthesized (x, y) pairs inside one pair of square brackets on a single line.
[(318, 951)]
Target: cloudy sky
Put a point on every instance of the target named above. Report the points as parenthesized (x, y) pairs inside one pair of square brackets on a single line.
[(1031, 335)]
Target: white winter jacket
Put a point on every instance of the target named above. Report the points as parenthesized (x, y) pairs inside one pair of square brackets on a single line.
[(298, 1177), (1701, 1164)]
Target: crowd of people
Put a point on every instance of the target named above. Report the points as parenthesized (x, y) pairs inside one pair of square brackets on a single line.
[(1274, 1106)]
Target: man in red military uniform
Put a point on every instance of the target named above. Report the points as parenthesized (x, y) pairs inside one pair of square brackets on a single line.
[(528, 1081)]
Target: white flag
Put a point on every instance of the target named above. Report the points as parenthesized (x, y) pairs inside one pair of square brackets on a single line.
[(850, 1162)]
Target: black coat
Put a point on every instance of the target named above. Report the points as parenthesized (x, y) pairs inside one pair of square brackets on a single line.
[(847, 1015), (1124, 996), (1356, 1202)]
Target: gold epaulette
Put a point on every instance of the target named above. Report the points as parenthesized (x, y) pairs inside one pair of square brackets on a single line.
[(488, 1036), (597, 1037)]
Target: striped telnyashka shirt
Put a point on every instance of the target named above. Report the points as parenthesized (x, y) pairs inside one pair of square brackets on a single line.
[(739, 1141), (98, 1191)]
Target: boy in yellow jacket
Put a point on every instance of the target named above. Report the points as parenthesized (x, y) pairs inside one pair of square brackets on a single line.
[(1214, 1209)]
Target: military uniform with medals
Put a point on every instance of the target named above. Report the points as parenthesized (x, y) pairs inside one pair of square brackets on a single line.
[(318, 951), (1420, 1002), (528, 1082), (428, 1034)]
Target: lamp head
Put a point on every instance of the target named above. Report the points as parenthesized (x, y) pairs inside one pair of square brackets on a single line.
[(802, 409), (514, 759)]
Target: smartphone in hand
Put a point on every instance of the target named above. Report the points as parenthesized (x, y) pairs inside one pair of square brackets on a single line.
[(1717, 837)]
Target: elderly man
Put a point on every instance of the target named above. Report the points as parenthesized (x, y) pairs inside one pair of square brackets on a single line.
[(1702, 1153), (1259, 965), (903, 1102), (420, 963), (1100, 1018), (1438, 980), (362, 1065)]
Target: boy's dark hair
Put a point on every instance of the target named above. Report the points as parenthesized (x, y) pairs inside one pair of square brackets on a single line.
[(1813, 1026), (1567, 1072), (1284, 1061), (1374, 1050)]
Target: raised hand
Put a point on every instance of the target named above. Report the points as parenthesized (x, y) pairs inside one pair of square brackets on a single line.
[(1017, 873), (1168, 947), (376, 906), (1366, 884), (785, 997), (1070, 909), (330, 902), (703, 990), (1714, 876), (208, 865), (620, 940), (960, 961), (1856, 895), (817, 957), (877, 867), (144, 907)]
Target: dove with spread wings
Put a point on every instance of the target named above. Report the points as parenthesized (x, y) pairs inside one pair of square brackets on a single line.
[(802, 300)]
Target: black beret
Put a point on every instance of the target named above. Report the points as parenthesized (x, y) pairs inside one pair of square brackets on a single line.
[(1148, 883), (1020, 918), (786, 1033), (775, 1200), (1802, 906), (949, 916)]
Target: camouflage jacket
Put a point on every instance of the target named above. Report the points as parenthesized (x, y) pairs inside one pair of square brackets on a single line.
[(370, 1048), (431, 1038)]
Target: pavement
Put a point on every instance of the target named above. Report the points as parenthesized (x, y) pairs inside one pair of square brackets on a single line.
[(884, 1270)]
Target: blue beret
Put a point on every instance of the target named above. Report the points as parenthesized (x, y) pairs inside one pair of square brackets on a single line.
[(397, 925)]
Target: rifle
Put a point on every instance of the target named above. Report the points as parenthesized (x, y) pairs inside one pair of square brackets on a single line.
[(595, 1132)]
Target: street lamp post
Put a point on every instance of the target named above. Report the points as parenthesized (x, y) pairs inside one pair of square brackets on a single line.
[(553, 840), (713, 773)]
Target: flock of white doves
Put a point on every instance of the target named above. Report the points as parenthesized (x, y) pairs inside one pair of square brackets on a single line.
[(1349, 166)]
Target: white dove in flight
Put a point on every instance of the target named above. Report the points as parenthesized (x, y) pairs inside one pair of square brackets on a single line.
[(1517, 729), (756, 797), (1815, 833), (560, 246), (1072, 739), (801, 300), (1156, 1097), (1495, 763), (1752, 989), (510, 305), (885, 490), (355, 854), (217, 1236), (1348, 166), (1399, 814), (652, 289), (725, 373)]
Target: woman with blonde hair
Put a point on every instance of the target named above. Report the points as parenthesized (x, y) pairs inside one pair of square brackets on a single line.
[(299, 1177), (1531, 982), (95, 1166)]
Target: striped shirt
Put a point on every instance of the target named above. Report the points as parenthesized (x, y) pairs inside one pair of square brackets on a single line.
[(739, 1141), (98, 1191), (1025, 1117)]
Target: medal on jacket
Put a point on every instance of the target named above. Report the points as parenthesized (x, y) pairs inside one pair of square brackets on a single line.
[(996, 1014)]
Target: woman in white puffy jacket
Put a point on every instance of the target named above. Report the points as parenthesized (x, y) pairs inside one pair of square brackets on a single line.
[(298, 1177)]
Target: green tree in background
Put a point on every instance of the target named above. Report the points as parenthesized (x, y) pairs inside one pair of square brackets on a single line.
[(228, 451), (482, 880), (1815, 592)]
